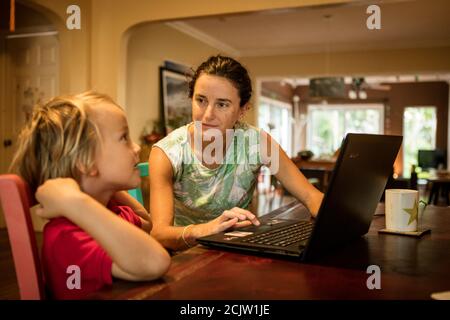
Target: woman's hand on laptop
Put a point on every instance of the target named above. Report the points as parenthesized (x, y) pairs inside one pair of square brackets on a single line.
[(233, 218), (250, 218)]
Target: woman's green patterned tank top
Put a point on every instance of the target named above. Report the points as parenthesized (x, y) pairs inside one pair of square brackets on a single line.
[(202, 194)]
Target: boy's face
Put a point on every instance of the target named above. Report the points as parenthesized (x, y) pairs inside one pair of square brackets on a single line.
[(116, 156)]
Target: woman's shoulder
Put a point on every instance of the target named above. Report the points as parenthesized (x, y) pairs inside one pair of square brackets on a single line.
[(244, 131), (174, 139), (175, 145), (241, 125)]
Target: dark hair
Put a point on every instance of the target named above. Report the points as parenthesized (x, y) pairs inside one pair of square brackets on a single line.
[(228, 68)]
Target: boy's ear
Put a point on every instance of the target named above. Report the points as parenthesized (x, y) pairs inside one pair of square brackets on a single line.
[(91, 172)]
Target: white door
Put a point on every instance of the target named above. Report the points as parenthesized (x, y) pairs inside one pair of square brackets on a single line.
[(31, 77)]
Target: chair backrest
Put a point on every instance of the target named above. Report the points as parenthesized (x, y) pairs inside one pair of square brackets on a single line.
[(16, 200), (137, 193)]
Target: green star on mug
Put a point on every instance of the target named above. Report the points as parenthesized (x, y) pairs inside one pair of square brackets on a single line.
[(413, 213)]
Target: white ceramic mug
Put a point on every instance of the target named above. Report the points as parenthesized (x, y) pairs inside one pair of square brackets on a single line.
[(402, 209)]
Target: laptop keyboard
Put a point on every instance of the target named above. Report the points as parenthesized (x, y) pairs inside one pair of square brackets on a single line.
[(284, 236)]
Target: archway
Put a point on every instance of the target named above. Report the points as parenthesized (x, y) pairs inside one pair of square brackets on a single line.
[(30, 65)]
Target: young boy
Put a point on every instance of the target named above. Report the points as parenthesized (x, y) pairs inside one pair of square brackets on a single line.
[(77, 156)]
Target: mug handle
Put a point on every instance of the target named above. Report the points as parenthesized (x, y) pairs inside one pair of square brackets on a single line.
[(421, 212)]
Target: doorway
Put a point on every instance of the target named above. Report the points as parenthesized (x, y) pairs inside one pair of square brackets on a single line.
[(31, 69)]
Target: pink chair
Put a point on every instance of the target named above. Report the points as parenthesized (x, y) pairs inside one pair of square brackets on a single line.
[(16, 200)]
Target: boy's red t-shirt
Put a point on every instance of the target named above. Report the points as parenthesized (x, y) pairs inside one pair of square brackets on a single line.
[(68, 250)]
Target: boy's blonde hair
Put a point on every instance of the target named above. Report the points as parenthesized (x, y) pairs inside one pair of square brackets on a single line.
[(59, 141)]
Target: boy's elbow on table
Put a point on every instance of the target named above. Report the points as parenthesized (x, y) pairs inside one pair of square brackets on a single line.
[(153, 266)]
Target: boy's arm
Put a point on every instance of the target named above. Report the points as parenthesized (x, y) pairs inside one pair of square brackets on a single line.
[(136, 256)]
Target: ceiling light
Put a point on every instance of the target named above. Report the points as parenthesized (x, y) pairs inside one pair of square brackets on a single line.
[(362, 94)]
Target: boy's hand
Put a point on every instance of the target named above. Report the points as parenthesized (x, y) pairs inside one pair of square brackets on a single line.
[(55, 195)]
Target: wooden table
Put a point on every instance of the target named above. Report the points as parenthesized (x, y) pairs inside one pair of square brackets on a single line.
[(314, 164), (317, 168), (411, 268), (439, 184)]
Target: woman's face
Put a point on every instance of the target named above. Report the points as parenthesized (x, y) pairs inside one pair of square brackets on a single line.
[(215, 103)]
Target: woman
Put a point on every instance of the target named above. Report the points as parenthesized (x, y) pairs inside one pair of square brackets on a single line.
[(203, 174)]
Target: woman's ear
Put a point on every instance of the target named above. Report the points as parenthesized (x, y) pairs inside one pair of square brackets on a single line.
[(243, 110)]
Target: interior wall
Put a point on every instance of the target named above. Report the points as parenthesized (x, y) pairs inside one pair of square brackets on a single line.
[(3, 118), (74, 45), (148, 46), (275, 90), (111, 20), (422, 94), (3, 110), (73, 68), (377, 62), (91, 57)]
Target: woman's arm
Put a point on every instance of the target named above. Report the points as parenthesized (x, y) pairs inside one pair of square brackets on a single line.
[(161, 206), (161, 201), (136, 256), (291, 178), (124, 198)]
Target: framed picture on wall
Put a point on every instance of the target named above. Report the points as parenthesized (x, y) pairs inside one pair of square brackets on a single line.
[(176, 106)]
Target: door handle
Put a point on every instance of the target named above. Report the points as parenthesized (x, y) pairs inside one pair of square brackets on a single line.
[(7, 143)]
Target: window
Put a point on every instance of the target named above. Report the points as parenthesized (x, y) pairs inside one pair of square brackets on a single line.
[(419, 133), (328, 125), (275, 118)]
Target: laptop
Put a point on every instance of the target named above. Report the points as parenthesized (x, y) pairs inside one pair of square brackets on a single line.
[(356, 186)]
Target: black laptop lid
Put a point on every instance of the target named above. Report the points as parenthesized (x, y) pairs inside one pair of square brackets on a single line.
[(356, 186)]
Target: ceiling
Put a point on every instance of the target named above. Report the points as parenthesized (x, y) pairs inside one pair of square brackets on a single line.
[(404, 24)]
